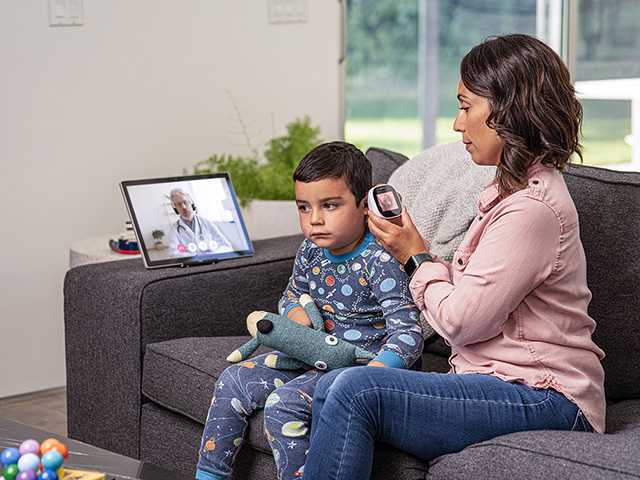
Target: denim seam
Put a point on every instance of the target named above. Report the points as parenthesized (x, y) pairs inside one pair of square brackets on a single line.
[(346, 438), (575, 420), (546, 398)]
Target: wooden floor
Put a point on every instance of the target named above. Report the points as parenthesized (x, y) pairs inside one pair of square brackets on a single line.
[(46, 410)]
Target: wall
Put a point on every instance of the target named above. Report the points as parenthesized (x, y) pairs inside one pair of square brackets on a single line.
[(142, 89)]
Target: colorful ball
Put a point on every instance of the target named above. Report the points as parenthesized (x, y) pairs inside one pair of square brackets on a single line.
[(28, 475), (28, 461), (52, 460), (62, 448), (29, 446), (9, 456), (47, 445), (10, 472), (48, 475)]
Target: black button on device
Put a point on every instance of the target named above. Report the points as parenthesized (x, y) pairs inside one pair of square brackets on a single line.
[(460, 262), (265, 326)]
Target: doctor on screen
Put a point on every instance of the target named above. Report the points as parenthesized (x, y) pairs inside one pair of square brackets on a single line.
[(193, 234)]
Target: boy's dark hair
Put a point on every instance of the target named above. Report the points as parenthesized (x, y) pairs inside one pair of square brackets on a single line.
[(337, 160)]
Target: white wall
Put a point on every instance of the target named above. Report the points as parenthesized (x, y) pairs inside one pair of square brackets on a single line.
[(138, 91)]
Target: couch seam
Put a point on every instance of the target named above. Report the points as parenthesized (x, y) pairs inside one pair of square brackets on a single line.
[(558, 457), (576, 173), (181, 362)]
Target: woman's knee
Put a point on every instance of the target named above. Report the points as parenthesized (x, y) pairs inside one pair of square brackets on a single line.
[(349, 383), (325, 384)]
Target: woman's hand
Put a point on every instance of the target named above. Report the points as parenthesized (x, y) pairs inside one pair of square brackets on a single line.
[(400, 241)]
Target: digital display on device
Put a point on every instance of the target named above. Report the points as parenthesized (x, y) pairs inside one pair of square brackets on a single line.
[(385, 201), (187, 220)]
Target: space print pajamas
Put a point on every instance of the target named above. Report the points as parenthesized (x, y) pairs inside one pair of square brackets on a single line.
[(364, 298)]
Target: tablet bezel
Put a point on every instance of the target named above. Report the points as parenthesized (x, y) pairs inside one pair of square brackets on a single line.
[(184, 261)]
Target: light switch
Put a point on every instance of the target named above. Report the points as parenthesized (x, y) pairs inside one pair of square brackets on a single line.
[(287, 11), (63, 13), (74, 12)]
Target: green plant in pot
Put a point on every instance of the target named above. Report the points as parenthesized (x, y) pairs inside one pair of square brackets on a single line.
[(157, 236), (269, 178)]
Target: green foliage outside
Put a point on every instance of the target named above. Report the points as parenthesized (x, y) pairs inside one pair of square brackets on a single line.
[(270, 177), (603, 138)]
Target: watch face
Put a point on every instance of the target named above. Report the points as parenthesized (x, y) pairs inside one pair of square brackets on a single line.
[(388, 201)]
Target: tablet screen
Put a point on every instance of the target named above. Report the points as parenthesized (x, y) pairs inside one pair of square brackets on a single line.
[(186, 220)]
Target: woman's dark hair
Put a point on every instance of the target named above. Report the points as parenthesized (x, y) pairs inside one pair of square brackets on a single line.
[(534, 108), (337, 160)]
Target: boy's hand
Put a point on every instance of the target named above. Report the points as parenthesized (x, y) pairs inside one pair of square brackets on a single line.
[(298, 315), (375, 363)]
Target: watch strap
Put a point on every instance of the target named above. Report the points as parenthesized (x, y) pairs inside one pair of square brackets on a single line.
[(412, 264)]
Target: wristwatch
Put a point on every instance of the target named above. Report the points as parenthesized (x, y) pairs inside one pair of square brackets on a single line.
[(415, 261)]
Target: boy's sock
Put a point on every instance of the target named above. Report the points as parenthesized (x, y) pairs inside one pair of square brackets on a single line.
[(202, 475)]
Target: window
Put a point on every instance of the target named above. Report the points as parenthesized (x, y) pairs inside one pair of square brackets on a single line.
[(607, 73), (403, 58)]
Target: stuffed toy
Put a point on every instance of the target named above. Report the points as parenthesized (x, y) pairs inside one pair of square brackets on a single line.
[(305, 347)]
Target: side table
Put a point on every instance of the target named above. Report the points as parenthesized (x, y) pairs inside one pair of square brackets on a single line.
[(94, 250)]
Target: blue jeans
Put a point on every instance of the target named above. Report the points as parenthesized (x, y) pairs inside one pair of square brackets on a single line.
[(424, 414)]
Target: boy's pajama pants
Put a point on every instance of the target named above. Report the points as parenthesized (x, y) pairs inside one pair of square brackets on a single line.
[(240, 391)]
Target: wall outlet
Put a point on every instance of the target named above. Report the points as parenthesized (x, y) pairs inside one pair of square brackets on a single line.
[(287, 11)]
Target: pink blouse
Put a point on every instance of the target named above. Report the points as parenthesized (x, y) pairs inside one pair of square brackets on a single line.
[(513, 303)]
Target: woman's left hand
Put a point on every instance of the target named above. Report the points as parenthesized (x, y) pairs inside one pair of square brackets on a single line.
[(400, 241)]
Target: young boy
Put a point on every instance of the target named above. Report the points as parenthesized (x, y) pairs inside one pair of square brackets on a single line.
[(363, 296)]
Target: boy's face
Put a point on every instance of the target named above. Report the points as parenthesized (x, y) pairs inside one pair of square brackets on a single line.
[(328, 214)]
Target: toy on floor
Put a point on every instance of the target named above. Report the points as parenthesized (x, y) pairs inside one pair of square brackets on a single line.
[(34, 461), (305, 347)]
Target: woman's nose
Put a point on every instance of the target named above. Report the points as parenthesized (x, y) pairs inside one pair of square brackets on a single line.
[(458, 124)]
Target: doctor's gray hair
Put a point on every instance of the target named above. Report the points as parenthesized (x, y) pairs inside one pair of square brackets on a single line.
[(175, 191)]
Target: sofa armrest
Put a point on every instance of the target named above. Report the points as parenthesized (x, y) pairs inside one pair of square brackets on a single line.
[(113, 310)]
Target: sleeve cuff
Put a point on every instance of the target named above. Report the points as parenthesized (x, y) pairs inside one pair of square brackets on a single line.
[(427, 273), (390, 359)]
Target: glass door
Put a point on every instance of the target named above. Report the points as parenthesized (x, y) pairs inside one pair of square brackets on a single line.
[(403, 58), (606, 59)]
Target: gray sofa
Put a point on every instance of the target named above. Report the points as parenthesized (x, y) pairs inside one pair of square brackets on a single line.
[(144, 349)]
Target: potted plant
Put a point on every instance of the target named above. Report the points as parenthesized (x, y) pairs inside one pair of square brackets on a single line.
[(157, 236), (264, 185)]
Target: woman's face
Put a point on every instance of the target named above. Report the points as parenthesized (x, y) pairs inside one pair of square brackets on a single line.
[(482, 142)]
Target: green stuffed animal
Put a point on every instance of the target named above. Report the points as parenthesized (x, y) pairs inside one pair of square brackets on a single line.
[(305, 347)]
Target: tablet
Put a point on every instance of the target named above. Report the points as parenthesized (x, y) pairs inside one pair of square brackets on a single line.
[(189, 220)]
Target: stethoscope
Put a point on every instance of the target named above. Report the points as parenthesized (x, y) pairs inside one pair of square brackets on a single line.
[(180, 226)]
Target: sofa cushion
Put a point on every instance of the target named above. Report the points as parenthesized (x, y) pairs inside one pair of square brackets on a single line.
[(544, 455), (383, 163), (608, 205), (180, 374), (623, 417)]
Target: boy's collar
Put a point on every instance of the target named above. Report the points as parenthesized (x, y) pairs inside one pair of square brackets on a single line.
[(366, 240)]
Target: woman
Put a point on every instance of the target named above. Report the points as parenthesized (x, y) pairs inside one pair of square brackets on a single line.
[(512, 304)]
